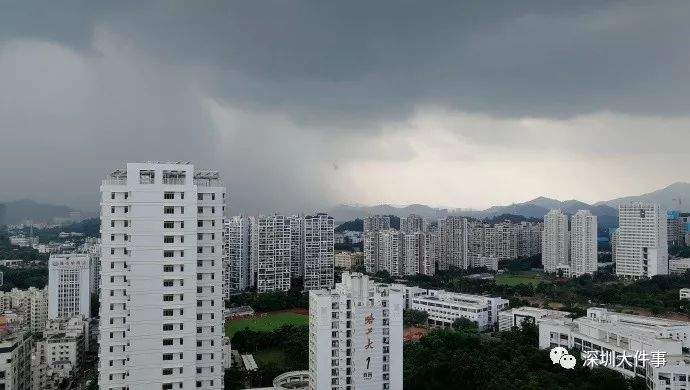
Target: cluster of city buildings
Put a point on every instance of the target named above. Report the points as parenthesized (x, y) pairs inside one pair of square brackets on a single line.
[(269, 252), (23, 241), (569, 245), (45, 333), (167, 260), (420, 247)]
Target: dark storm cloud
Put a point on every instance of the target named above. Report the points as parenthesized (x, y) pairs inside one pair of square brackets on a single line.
[(357, 60), (87, 85), (360, 59)]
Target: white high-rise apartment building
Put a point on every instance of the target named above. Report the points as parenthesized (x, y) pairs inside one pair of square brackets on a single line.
[(453, 234), (319, 239), (412, 224), (390, 255), (529, 239), (555, 255), (583, 243), (372, 226), (69, 285), (641, 245), (504, 240), (237, 254), (271, 252), (161, 322), (413, 252), (297, 255), (432, 252), (355, 336)]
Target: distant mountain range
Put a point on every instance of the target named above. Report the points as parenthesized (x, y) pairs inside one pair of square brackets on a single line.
[(676, 196), (18, 211), (606, 211)]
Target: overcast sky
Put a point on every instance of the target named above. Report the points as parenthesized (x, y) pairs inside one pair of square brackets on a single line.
[(306, 104)]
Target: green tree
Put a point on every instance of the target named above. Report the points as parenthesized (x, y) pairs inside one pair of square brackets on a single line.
[(413, 317), (463, 324)]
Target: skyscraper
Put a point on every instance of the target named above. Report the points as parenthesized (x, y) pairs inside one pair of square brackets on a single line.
[(297, 246), (583, 243), (318, 237), (430, 254), (372, 226), (641, 245), (413, 252), (161, 321), (390, 254), (355, 336), (555, 246), (69, 285), (453, 236), (271, 252), (236, 252)]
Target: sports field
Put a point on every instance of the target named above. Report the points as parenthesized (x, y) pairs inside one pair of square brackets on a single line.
[(526, 278), (265, 322)]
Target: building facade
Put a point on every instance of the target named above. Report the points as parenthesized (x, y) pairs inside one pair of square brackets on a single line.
[(161, 322), (355, 336), (15, 360), (515, 317), (297, 246), (617, 334), (555, 247), (59, 354), (445, 307), (583, 243), (641, 246), (413, 224), (453, 240), (237, 244), (348, 260), (69, 285), (318, 237), (271, 253), (391, 252), (372, 226), (29, 307)]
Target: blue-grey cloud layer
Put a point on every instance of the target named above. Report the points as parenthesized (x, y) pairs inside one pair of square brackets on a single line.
[(337, 67)]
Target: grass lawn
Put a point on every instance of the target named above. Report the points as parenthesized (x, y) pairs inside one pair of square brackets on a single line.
[(266, 322), (270, 357), (526, 278)]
